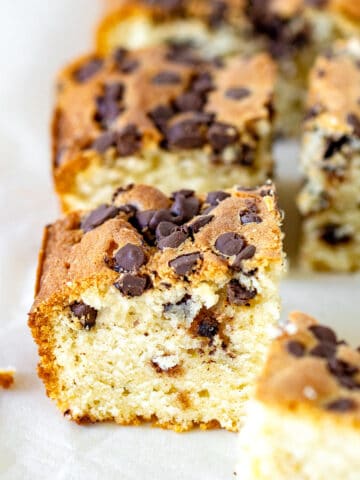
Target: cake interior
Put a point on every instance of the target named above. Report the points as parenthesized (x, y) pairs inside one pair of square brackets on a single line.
[(176, 356), (282, 444)]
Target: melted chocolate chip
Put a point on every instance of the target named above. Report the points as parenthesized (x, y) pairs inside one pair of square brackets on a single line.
[(332, 235), (184, 207), (354, 121), (98, 216), (202, 83), (88, 70), (208, 326), (237, 93), (247, 216), (199, 223), (229, 243), (333, 146), (237, 294), (161, 115), (123, 63), (323, 350), (132, 285), (166, 78), (184, 264), (323, 334), (86, 314), (221, 135), (214, 198), (295, 348), (107, 111), (245, 254), (129, 258), (186, 134), (182, 53), (128, 140), (174, 240), (341, 405), (189, 102)]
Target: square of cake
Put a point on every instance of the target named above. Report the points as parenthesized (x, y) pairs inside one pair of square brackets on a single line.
[(157, 308), (330, 159), (304, 420), (162, 116)]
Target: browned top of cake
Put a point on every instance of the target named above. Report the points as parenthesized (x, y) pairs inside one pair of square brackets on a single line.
[(165, 96), (309, 366), (334, 94), (146, 240)]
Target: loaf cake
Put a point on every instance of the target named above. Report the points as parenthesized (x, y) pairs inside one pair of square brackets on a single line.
[(293, 31), (6, 378), (330, 198), (304, 420), (157, 308), (161, 116)]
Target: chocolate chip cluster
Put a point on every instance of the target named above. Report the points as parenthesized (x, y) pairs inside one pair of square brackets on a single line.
[(326, 347), (170, 228)]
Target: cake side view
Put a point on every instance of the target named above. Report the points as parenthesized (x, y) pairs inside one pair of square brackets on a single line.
[(157, 308), (162, 116), (330, 158), (304, 420)]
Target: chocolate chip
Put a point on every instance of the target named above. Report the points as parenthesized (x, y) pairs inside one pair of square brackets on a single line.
[(208, 327), (237, 294), (214, 198), (130, 258), (295, 348), (202, 83), (348, 382), (323, 350), (323, 334), (128, 140), (186, 134), (105, 141), (188, 102), (86, 314), (164, 229), (199, 223), (230, 243), (88, 70), (107, 110), (166, 78), (333, 146), (98, 216), (174, 240), (340, 368), (221, 135), (184, 264), (150, 219), (341, 405), (354, 121), (218, 12), (123, 63), (132, 285), (245, 254), (247, 216), (237, 93), (185, 207), (161, 115), (182, 53), (333, 234)]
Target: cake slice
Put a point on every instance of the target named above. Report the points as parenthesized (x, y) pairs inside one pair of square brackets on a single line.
[(330, 158), (161, 116), (304, 420), (6, 377), (157, 308)]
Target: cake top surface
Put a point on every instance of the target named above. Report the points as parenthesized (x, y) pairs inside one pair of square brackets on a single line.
[(146, 240), (334, 94), (163, 96), (309, 366)]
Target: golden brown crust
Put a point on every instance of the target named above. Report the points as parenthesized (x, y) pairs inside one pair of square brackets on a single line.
[(335, 88), (305, 380), (6, 378), (71, 260)]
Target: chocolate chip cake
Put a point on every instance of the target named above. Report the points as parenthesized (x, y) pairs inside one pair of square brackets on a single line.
[(330, 198), (6, 378), (293, 31), (162, 116), (157, 308), (304, 422)]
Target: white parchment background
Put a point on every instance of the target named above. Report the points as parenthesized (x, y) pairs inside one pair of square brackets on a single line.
[(36, 38)]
